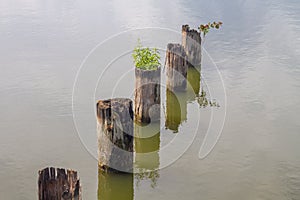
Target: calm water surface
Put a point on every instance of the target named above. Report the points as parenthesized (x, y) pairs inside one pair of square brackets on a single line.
[(43, 43)]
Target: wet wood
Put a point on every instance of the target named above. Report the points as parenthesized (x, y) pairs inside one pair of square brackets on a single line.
[(115, 135), (147, 95), (58, 184), (191, 41), (176, 67)]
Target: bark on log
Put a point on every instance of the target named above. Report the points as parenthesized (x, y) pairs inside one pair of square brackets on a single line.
[(176, 67), (115, 135), (191, 41), (147, 95), (58, 184)]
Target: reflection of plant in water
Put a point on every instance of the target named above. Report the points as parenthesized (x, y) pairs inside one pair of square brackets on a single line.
[(144, 174), (204, 102)]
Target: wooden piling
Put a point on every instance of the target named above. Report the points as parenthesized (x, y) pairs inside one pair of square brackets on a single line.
[(115, 135), (147, 95), (176, 67), (58, 184), (191, 41)]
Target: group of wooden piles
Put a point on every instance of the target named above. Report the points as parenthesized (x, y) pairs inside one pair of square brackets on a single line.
[(115, 118)]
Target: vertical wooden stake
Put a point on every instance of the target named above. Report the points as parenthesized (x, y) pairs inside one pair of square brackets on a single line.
[(58, 184), (191, 41), (176, 67), (147, 95), (115, 135)]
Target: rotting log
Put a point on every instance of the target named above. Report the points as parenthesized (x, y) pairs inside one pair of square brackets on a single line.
[(176, 67), (191, 41), (115, 135), (147, 95), (58, 184)]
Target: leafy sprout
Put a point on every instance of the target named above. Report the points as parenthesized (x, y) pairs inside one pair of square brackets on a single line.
[(204, 28), (146, 58)]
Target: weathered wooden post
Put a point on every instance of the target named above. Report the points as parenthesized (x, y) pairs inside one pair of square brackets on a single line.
[(176, 109), (191, 41), (147, 95), (176, 67), (58, 184), (113, 186), (115, 135)]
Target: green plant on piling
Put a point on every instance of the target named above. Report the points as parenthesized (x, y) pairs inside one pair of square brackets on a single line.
[(204, 28), (146, 58)]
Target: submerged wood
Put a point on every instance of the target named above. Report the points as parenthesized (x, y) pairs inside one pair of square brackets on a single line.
[(115, 135), (58, 184), (147, 95), (191, 41), (176, 67)]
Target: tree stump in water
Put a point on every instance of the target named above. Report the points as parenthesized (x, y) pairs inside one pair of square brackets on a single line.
[(115, 135), (176, 67), (58, 184), (191, 41), (147, 95)]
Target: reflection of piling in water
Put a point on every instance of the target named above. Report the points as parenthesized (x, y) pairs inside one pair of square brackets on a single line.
[(147, 95), (176, 67), (115, 134), (191, 41), (147, 144), (194, 78), (113, 186), (176, 109), (58, 184)]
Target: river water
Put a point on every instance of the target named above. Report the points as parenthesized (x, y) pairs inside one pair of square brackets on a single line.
[(251, 68)]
